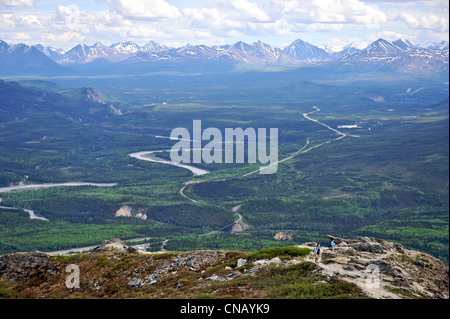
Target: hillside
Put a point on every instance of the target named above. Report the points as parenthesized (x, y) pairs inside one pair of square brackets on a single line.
[(81, 105), (115, 270)]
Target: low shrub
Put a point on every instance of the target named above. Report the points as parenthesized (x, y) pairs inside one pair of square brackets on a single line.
[(282, 252)]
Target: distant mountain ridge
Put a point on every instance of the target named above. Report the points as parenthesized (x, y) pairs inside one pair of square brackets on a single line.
[(23, 58), (398, 54)]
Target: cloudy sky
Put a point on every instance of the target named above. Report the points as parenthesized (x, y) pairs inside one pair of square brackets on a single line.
[(64, 24)]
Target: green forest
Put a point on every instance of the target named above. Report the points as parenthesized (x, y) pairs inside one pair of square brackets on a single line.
[(389, 179)]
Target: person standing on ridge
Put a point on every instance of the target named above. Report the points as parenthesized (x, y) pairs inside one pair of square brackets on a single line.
[(317, 252), (332, 245)]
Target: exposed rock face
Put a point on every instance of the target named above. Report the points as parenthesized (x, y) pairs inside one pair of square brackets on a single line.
[(237, 228), (283, 236), (127, 211), (124, 211)]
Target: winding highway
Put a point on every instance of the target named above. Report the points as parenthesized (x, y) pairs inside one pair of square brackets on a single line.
[(302, 150), (147, 156)]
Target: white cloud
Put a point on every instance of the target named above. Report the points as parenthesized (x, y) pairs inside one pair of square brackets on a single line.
[(65, 38), (6, 22), (20, 36), (283, 17), (150, 9), (328, 11), (315, 27), (19, 23), (244, 10), (210, 18), (424, 22), (146, 32), (17, 3), (409, 20), (250, 10), (28, 22), (219, 21), (279, 27)]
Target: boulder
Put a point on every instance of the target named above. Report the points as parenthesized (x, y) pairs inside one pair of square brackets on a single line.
[(241, 262), (384, 266), (372, 248), (399, 248), (275, 260), (337, 240), (217, 278), (136, 283)]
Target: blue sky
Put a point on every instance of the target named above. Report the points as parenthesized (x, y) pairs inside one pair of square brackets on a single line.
[(176, 22)]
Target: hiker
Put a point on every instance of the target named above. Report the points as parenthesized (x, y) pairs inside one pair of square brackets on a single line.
[(332, 245), (317, 252)]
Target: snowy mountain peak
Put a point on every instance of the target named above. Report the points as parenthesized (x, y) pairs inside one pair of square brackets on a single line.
[(124, 47), (381, 46), (438, 45), (53, 53), (400, 53), (83, 53), (304, 51), (242, 46), (403, 45), (329, 48), (152, 46)]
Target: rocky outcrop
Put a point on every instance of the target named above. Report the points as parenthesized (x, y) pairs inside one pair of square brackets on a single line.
[(385, 269), (237, 228), (193, 261), (124, 211), (116, 245), (127, 211), (23, 266), (283, 236)]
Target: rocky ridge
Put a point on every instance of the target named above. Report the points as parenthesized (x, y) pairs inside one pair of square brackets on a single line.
[(373, 267), (386, 270)]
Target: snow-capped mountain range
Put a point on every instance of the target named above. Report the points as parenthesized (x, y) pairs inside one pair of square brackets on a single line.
[(23, 59), (398, 54)]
